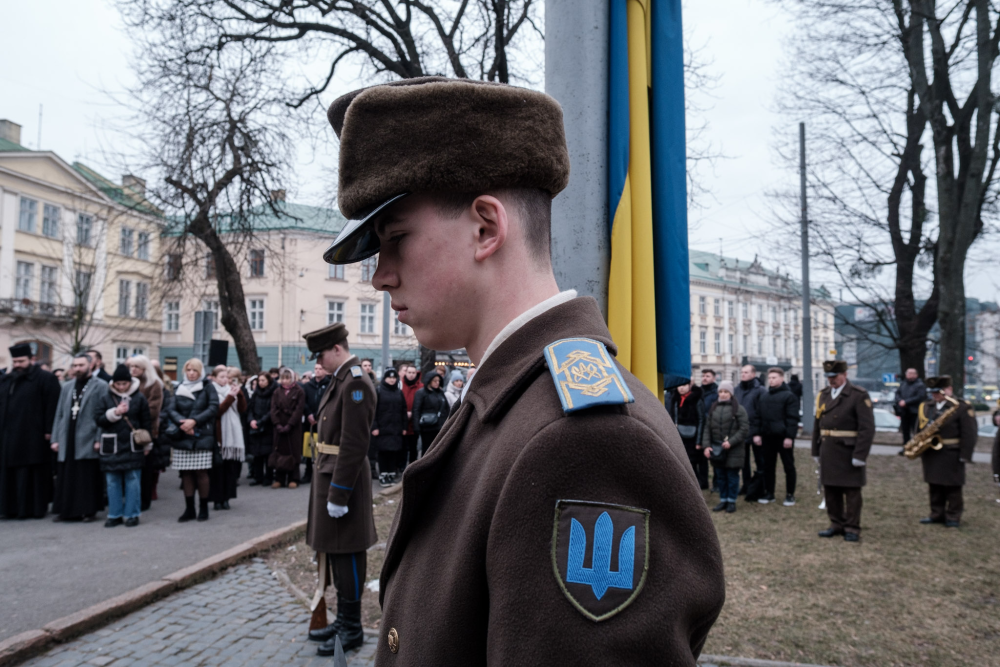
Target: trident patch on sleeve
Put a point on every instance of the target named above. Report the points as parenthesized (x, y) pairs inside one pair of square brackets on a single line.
[(600, 555), (584, 375)]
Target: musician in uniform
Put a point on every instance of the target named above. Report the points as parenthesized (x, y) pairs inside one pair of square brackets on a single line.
[(842, 438), (341, 526), (555, 519), (944, 467)]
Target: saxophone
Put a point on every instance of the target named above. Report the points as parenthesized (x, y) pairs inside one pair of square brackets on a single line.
[(927, 438)]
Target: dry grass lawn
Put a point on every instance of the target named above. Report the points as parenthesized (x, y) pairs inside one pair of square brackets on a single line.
[(907, 594)]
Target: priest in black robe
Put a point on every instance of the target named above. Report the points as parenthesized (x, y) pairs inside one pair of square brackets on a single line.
[(28, 399), (80, 484)]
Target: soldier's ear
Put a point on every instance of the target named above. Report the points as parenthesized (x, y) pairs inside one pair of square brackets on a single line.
[(492, 226)]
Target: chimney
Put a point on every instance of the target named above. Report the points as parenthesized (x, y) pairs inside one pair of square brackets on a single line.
[(135, 184), (10, 131), (277, 195)]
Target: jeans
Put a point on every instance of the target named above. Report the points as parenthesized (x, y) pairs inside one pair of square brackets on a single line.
[(127, 506), (729, 483)]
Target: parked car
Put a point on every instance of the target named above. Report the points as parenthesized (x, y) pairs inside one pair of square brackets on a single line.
[(886, 422), (987, 431)]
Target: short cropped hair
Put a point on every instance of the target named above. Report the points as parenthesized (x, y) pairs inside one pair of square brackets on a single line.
[(534, 210), (775, 369), (708, 370)]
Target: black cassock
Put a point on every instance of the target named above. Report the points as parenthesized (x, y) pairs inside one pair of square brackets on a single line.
[(28, 401)]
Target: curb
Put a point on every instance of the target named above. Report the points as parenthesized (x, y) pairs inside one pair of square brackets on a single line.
[(728, 661), (20, 647)]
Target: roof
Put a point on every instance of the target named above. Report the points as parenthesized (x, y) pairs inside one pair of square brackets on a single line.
[(11, 147), (290, 217), (120, 194), (710, 267)]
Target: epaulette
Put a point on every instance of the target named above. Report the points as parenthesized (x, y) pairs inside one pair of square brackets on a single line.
[(585, 375), (356, 371)]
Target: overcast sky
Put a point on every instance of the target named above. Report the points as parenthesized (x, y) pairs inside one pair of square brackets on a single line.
[(64, 56)]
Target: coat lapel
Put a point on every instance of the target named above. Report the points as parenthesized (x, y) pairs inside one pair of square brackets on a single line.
[(336, 379)]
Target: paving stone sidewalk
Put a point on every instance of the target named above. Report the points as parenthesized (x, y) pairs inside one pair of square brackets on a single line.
[(244, 617)]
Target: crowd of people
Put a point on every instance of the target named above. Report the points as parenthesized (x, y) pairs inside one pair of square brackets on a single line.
[(81, 441)]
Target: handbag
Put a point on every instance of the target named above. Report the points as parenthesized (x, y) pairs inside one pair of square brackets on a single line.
[(719, 454), (686, 431), (429, 418), (140, 436)]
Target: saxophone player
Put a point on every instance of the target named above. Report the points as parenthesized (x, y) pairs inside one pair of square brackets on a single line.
[(842, 439), (944, 468)]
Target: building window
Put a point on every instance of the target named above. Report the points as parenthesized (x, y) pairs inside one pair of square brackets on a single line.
[(746, 344), (785, 344), (209, 266), (84, 229), (718, 342), (256, 263), (760, 312), (29, 214), (48, 292), (774, 347), (124, 297), (257, 314), (702, 308), (746, 311), (125, 246), (334, 310), (81, 287), (774, 315), (732, 344), (368, 267), (784, 314), (142, 300), (703, 342), (25, 274), (173, 267), (142, 246), (760, 346), (730, 309), (337, 271), (368, 318), (50, 220), (121, 354), (172, 316), (398, 327), (717, 308), (212, 307)]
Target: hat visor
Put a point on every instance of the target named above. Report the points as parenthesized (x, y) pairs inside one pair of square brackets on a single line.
[(831, 374), (936, 390), (358, 240)]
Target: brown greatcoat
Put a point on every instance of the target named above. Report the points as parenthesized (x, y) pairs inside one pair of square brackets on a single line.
[(344, 479), (947, 465), (469, 576), (851, 411), (286, 410)]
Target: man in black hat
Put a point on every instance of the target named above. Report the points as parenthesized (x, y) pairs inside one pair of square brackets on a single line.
[(28, 400), (555, 519), (944, 467), (341, 526), (842, 438)]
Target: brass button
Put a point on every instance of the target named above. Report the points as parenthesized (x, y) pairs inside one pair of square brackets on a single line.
[(393, 640)]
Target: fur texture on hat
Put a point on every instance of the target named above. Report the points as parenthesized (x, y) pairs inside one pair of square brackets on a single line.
[(834, 367), (435, 134), (938, 383)]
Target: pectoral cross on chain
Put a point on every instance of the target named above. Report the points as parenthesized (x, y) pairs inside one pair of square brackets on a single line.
[(75, 410)]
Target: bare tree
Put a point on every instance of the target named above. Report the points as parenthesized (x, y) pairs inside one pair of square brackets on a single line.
[(212, 127)]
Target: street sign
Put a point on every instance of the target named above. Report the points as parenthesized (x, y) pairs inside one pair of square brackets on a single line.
[(888, 377)]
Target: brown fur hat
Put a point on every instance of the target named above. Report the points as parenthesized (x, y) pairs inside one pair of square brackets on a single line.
[(938, 383), (435, 134), (833, 368)]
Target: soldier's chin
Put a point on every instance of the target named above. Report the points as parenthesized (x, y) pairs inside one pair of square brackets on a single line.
[(437, 338)]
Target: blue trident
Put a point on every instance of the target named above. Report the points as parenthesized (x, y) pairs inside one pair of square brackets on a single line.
[(599, 575)]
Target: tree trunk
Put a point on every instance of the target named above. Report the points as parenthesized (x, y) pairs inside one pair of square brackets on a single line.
[(428, 358), (951, 318)]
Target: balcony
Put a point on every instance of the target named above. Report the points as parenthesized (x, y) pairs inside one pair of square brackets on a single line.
[(28, 309)]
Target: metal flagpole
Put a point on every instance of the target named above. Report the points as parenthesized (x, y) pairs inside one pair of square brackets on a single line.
[(386, 309), (807, 374)]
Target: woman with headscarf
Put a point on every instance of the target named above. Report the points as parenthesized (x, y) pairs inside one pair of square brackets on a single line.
[(261, 440), (287, 407), (192, 427), (152, 389), (228, 436), (387, 429)]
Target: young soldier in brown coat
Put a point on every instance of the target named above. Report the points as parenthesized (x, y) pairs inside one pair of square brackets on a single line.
[(842, 438), (944, 468), (341, 526), (555, 520)]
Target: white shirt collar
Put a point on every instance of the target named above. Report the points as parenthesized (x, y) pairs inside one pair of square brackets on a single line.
[(835, 391), (940, 404), (519, 322)]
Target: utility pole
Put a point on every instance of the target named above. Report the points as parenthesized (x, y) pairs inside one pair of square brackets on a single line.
[(385, 330), (807, 373)]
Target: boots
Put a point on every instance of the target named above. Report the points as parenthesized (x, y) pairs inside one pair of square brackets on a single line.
[(327, 633), (203, 511), (188, 511), (308, 475), (720, 507), (351, 634)]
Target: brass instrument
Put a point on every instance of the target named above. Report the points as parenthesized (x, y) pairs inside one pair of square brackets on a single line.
[(927, 438)]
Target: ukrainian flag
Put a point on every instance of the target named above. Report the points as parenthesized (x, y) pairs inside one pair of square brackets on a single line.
[(648, 294)]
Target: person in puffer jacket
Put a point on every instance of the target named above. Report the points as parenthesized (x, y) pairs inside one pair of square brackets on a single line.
[(122, 410)]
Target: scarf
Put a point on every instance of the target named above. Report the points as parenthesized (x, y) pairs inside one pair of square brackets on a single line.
[(188, 387), (230, 428)]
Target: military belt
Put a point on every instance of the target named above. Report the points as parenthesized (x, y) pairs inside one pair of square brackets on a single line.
[(832, 433), (324, 448), (951, 441)]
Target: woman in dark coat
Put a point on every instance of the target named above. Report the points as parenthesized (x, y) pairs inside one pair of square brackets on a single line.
[(228, 436), (120, 410), (153, 390), (388, 427), (192, 423), (688, 414), (261, 437), (287, 407), (727, 425), (430, 410)]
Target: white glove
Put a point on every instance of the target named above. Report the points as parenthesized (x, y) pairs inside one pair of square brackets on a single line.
[(815, 459), (857, 463), (336, 511)]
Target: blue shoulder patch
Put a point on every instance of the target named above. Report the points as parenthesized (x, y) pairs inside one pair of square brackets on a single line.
[(584, 375), (356, 371)]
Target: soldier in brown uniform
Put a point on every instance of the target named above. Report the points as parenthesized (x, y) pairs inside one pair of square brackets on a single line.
[(842, 438), (341, 526), (555, 520), (944, 468)]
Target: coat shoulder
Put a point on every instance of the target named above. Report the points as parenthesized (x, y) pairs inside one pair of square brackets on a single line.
[(585, 375)]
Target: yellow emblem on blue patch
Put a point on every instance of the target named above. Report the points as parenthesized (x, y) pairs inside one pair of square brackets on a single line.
[(584, 375)]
